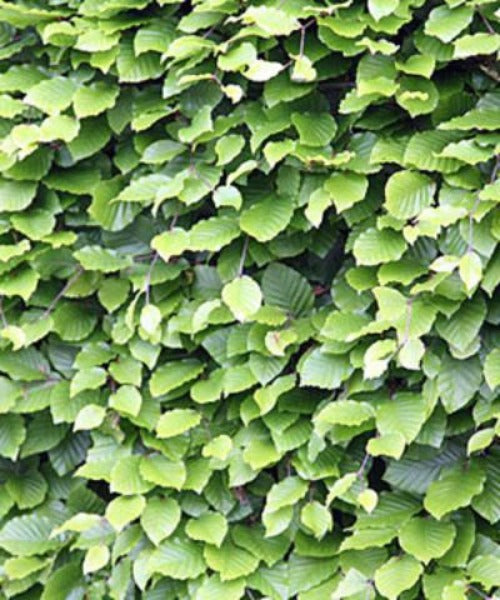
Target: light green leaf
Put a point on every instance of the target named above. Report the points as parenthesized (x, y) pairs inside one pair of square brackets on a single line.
[(397, 575), (492, 368), (52, 96), (96, 558), (373, 247), (454, 489), (177, 421), (265, 219), (346, 189), (243, 296), (210, 528), (470, 270), (317, 518), (16, 195), (388, 444), (285, 493), (478, 43), (123, 510), (161, 471), (127, 400), (171, 375), (91, 378), (160, 518), (314, 129), (407, 193), (230, 561), (90, 416), (179, 558), (425, 538)]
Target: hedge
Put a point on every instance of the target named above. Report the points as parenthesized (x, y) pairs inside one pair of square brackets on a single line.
[(249, 339)]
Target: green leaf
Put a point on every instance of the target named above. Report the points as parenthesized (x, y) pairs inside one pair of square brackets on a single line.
[(28, 535), (126, 399), (95, 258), (470, 270), (229, 147), (345, 412), (161, 471), (317, 518), (177, 421), (417, 95), (492, 368), (404, 413), (243, 297), (478, 43), (90, 416), (373, 247), (425, 538), (314, 129), (126, 477), (94, 99), (346, 189), (287, 289), (485, 569), (230, 561), (123, 510), (213, 234), (446, 23), (388, 444), (480, 440), (171, 375), (458, 382), (265, 219), (96, 558), (326, 371), (21, 282), (87, 379), (407, 193), (382, 8), (16, 195), (210, 528), (160, 518), (285, 493), (150, 318), (12, 435), (52, 96), (179, 558), (397, 575), (454, 489)]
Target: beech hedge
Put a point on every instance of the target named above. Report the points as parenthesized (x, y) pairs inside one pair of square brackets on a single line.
[(249, 341)]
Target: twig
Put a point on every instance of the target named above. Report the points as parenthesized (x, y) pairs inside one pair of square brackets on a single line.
[(360, 471), (487, 24), (471, 225), (474, 589), (409, 313), (147, 281), (2, 314), (302, 41), (61, 293), (243, 257)]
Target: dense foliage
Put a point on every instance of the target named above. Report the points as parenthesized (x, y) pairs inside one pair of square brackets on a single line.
[(248, 261)]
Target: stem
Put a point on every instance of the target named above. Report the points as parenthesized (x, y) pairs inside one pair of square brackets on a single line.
[(471, 225), (481, 594), (147, 281), (2, 314), (61, 293), (361, 469), (409, 312), (243, 257), (487, 24), (302, 40)]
